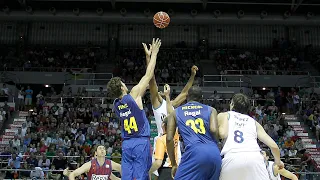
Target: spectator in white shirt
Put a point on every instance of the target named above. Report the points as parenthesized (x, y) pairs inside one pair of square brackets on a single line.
[(277, 126), (290, 132), (44, 162), (292, 152), (24, 129), (37, 173), (16, 142)]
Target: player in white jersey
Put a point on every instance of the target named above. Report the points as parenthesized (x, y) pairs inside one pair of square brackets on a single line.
[(273, 169), (242, 159), (159, 105)]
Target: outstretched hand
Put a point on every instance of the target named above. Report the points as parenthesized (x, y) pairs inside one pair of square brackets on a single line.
[(155, 46), (166, 90), (146, 50), (194, 70)]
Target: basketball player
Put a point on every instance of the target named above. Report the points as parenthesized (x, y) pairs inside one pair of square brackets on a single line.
[(201, 159), (98, 168), (159, 105), (241, 153), (274, 171), (162, 162), (136, 154)]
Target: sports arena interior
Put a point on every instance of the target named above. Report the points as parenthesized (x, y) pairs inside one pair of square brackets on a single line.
[(57, 56)]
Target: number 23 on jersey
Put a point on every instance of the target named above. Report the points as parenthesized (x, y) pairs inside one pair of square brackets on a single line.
[(130, 125)]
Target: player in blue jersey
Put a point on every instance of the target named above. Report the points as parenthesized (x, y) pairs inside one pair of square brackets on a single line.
[(197, 125), (136, 149)]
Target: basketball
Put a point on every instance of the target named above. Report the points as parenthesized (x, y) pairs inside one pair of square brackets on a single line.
[(161, 20)]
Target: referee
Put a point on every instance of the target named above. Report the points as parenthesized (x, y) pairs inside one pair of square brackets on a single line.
[(162, 162)]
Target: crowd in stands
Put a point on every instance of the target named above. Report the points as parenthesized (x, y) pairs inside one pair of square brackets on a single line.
[(51, 134), (261, 63), (173, 65), (282, 59), (50, 59)]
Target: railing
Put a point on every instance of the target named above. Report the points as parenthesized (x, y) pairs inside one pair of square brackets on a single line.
[(72, 98), (226, 80), (315, 80), (46, 69), (91, 78), (266, 72)]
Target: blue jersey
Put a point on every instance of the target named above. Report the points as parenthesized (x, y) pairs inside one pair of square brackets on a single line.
[(193, 121), (134, 121)]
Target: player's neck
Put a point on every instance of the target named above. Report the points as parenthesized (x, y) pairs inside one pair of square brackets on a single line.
[(101, 160)]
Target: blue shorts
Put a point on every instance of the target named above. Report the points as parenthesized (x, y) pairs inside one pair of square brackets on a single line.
[(136, 159), (200, 162)]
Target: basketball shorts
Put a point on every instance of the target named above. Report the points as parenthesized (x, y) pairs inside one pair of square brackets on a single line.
[(243, 166), (136, 159), (200, 162)]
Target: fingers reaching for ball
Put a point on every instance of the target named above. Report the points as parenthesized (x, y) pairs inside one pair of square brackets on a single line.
[(155, 46)]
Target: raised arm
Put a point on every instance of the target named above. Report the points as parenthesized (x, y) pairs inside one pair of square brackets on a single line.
[(183, 94), (214, 128), (171, 130), (140, 88), (166, 92), (156, 99), (83, 169), (223, 125), (267, 140)]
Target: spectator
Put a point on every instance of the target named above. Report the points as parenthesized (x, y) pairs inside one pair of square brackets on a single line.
[(14, 161), (36, 173), (44, 162), (29, 93), (32, 160), (60, 163), (20, 102), (289, 132)]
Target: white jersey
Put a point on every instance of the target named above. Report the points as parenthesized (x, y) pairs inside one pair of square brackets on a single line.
[(271, 173), (159, 114), (242, 134)]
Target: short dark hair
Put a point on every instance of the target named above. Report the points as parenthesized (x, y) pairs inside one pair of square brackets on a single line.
[(195, 94), (114, 87), (241, 103), (266, 151)]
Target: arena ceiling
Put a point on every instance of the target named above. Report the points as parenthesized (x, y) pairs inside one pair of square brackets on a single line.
[(228, 6)]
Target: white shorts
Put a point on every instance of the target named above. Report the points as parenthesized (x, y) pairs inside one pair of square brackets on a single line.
[(154, 150), (244, 166)]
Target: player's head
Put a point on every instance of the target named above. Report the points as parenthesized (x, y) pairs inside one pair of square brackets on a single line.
[(266, 154), (100, 151), (195, 94), (116, 88), (240, 103)]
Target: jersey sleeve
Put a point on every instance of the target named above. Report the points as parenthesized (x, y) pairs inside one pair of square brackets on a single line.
[(160, 149)]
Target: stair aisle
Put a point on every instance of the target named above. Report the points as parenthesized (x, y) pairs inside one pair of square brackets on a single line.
[(309, 143), (10, 132)]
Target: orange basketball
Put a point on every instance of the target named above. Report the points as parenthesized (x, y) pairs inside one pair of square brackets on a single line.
[(161, 20)]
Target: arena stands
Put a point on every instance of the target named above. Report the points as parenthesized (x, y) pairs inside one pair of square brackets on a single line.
[(174, 61)]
